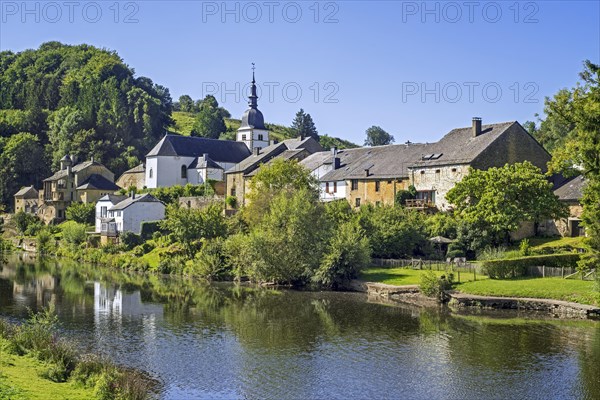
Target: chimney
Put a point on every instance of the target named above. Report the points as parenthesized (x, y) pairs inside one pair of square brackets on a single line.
[(205, 155), (367, 172), (476, 126), (334, 152), (256, 151), (132, 194)]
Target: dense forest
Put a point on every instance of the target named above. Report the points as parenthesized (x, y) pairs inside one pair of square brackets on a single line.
[(79, 100)]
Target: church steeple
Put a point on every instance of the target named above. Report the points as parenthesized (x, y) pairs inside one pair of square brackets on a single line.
[(252, 130), (253, 97)]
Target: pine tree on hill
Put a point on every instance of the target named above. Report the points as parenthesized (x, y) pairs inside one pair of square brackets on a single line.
[(304, 126)]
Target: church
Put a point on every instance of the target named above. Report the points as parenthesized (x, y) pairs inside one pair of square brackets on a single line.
[(179, 160)]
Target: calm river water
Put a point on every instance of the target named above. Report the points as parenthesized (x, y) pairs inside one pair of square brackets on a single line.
[(224, 341)]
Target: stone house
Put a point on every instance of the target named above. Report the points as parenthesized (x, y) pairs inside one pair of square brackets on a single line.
[(447, 161), (27, 200), (238, 177), (570, 194), (85, 182)]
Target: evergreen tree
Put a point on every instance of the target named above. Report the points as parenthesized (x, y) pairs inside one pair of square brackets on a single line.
[(303, 125)]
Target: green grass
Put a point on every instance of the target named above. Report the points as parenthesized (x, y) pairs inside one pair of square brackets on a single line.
[(539, 243), (20, 379), (405, 276), (544, 288)]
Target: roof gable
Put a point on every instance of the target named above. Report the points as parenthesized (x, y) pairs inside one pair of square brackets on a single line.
[(144, 198)]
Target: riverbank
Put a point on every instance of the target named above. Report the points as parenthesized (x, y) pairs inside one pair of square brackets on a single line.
[(37, 364)]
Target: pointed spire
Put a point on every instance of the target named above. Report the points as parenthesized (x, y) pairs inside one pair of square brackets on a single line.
[(253, 97)]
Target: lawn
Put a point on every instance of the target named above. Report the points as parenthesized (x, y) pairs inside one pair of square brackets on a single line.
[(405, 276), (20, 379), (549, 288)]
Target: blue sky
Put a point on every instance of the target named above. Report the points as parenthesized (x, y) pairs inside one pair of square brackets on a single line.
[(416, 69)]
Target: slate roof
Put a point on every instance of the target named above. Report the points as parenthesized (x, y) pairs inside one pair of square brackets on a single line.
[(187, 146), (79, 167), (315, 160), (26, 190), (202, 162), (97, 182), (572, 190), (144, 198), (275, 150), (113, 198), (383, 162), (459, 146), (286, 155), (136, 169)]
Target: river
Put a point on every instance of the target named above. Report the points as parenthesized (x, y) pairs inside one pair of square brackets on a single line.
[(222, 341)]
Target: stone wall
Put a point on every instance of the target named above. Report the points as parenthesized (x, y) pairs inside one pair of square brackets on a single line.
[(368, 194), (439, 179)]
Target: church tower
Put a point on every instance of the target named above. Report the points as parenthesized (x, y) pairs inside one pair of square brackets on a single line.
[(252, 131)]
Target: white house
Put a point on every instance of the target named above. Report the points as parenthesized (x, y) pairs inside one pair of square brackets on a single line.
[(102, 207), (128, 215), (321, 164)]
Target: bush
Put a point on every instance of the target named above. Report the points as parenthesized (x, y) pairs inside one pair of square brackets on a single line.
[(129, 240), (210, 262), (515, 267), (149, 228), (231, 202), (432, 286), (403, 195), (23, 220), (73, 232), (347, 255), (82, 213), (44, 241), (525, 248)]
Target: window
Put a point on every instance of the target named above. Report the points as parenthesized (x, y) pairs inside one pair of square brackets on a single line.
[(183, 172), (377, 203), (118, 213), (377, 186), (453, 169), (260, 136), (354, 184), (103, 212), (243, 137), (357, 202), (151, 173), (233, 191)]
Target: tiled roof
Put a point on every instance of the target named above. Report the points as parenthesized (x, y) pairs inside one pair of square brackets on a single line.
[(136, 169), (187, 146), (26, 190)]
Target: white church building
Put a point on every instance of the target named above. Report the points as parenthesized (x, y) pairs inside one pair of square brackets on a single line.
[(179, 160)]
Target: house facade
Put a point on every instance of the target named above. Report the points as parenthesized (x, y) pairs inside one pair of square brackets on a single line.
[(85, 182), (128, 214), (570, 194), (27, 200), (374, 175)]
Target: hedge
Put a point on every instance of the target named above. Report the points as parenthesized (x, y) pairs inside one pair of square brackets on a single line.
[(514, 267), (147, 228)]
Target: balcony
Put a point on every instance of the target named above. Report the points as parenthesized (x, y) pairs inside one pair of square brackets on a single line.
[(419, 204)]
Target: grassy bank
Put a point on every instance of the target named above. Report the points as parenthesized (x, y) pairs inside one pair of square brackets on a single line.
[(574, 290), (406, 276), (21, 378), (543, 288), (37, 364)]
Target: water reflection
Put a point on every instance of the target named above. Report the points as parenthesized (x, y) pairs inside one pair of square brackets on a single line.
[(227, 341)]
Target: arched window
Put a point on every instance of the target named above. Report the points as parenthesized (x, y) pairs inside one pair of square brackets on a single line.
[(183, 172), (151, 173)]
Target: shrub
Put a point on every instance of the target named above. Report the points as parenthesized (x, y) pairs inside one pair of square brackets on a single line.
[(347, 255), (44, 242), (525, 248), (73, 232), (403, 195), (130, 240), (514, 267), (82, 213), (23, 220), (433, 286), (149, 228), (231, 202), (210, 262)]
